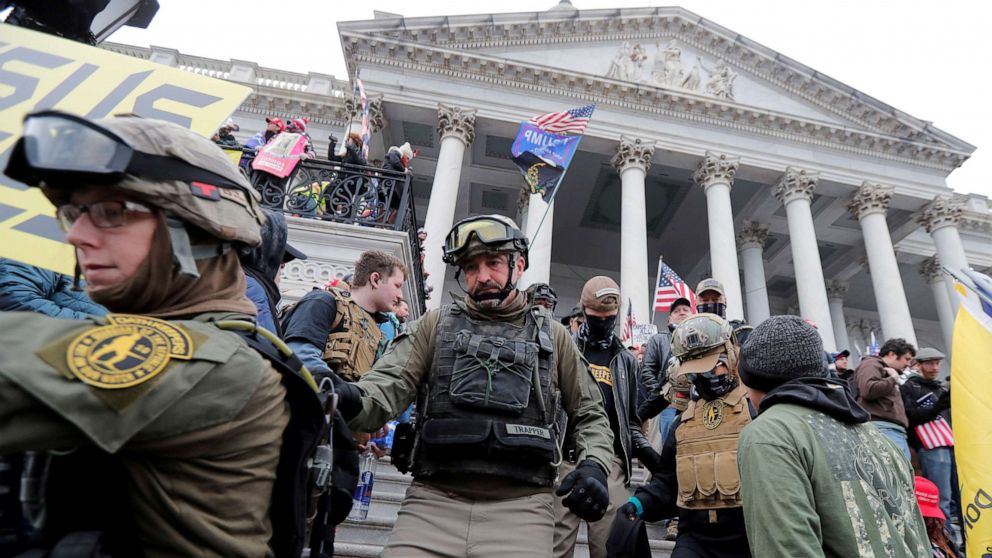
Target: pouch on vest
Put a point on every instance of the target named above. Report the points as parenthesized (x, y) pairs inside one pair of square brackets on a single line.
[(728, 480), (493, 373), (466, 438)]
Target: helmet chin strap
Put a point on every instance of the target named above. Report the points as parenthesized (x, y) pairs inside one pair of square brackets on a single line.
[(501, 295)]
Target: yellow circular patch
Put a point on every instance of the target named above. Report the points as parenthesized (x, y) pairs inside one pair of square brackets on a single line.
[(130, 350), (713, 414)]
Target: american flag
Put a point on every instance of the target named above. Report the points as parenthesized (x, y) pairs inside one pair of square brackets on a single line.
[(670, 288), (628, 325), (571, 121), (935, 434), (363, 101)]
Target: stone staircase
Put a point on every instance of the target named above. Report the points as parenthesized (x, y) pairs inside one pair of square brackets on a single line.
[(365, 539)]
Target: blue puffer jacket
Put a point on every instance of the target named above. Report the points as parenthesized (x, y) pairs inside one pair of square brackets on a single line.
[(31, 289)]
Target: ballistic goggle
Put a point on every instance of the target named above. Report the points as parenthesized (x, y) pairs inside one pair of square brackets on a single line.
[(61, 148), (487, 230)]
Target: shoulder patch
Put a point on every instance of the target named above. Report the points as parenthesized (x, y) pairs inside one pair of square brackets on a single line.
[(128, 351)]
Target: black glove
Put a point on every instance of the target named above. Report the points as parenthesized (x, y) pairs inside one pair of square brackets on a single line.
[(349, 396), (588, 496), (649, 458), (627, 510)]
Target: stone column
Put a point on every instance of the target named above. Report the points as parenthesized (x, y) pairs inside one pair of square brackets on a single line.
[(751, 243), (940, 217), (632, 161), (539, 270), (930, 270), (456, 127), (715, 176), (836, 291), (869, 205), (795, 191)]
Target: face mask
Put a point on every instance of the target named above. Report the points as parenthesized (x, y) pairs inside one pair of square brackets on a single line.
[(709, 386), (718, 308), (600, 328)]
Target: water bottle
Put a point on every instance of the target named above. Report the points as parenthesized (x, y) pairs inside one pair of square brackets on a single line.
[(386, 442), (362, 498)]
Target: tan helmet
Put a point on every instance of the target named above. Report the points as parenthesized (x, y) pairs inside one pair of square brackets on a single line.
[(230, 213), (700, 341)]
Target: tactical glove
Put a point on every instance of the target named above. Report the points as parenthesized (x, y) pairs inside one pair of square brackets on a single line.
[(628, 510), (588, 496), (649, 458), (349, 396)]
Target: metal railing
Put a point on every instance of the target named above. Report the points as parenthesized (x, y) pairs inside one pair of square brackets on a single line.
[(331, 191)]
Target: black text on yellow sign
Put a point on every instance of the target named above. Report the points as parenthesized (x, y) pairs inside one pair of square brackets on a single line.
[(39, 71)]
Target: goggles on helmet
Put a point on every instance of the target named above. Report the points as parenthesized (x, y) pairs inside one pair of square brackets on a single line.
[(58, 147), (486, 230)]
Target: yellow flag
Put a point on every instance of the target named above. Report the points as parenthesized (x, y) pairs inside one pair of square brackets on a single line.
[(39, 71), (971, 413)]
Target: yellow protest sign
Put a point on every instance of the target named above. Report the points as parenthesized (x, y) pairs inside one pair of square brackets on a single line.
[(971, 414), (39, 71)]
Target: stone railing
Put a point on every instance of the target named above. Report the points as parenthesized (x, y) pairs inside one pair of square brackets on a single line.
[(348, 194)]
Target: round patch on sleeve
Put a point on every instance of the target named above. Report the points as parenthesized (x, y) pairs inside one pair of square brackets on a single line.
[(128, 351)]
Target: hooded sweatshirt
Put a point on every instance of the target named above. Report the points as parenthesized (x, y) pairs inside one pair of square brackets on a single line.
[(261, 267), (818, 479)]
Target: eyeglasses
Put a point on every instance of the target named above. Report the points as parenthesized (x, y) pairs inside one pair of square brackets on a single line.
[(107, 214)]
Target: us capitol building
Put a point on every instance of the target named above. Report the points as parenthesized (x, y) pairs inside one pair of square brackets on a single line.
[(798, 192)]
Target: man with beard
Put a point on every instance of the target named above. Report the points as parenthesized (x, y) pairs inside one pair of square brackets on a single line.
[(697, 477), (617, 374), (494, 378), (816, 478)]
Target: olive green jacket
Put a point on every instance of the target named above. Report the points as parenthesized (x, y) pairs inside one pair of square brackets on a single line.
[(200, 440), (392, 385)]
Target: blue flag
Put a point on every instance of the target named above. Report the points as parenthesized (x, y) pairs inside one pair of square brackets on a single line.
[(543, 157)]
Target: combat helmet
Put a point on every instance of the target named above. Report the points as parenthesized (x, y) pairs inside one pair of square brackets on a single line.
[(163, 164), (543, 291), (699, 342), (482, 234)]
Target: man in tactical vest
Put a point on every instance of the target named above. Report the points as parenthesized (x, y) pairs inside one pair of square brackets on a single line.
[(617, 374), (170, 434), (495, 379), (698, 476), (338, 328)]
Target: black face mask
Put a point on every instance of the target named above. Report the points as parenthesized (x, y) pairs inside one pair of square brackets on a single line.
[(710, 387), (600, 329), (718, 308)]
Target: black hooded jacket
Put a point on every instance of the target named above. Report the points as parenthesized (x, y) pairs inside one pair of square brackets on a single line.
[(827, 395), (263, 262)]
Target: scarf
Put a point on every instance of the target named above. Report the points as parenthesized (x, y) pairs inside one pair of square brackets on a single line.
[(159, 290), (585, 339)]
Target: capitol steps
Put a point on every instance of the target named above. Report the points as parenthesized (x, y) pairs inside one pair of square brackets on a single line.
[(365, 539)]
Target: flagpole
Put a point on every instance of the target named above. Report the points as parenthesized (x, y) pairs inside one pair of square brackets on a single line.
[(533, 239), (654, 305)]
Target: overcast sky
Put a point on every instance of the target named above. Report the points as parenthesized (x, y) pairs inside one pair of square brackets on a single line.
[(929, 59)]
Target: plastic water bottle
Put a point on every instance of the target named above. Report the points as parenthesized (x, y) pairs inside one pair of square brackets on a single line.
[(386, 442), (362, 498)]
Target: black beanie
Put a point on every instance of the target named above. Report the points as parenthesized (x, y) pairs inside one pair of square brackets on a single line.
[(780, 349)]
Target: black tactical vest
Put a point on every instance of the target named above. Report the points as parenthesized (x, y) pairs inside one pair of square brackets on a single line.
[(490, 402)]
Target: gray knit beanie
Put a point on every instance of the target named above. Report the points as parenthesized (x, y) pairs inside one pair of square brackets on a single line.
[(780, 349)]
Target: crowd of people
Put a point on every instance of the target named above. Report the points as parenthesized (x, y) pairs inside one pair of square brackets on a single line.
[(179, 408)]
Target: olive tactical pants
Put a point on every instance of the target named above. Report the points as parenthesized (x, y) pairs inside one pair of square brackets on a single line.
[(432, 523), (567, 523)]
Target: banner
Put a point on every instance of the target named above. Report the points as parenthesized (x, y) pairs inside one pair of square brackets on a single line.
[(971, 413), (280, 156), (39, 71), (542, 157)]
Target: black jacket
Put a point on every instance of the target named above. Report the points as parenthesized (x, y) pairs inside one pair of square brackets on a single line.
[(657, 353), (922, 407), (626, 372)]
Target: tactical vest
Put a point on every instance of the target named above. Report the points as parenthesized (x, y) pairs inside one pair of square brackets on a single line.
[(355, 345), (706, 454), (490, 401)]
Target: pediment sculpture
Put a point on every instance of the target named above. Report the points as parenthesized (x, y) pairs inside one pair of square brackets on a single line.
[(668, 70)]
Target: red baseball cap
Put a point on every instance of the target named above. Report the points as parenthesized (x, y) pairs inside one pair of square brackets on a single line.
[(928, 497), (278, 122)]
